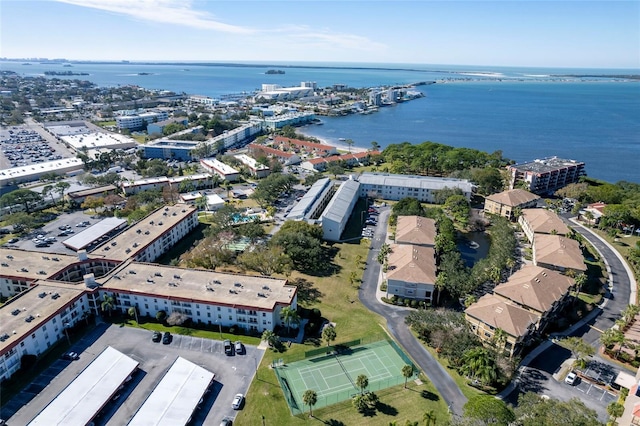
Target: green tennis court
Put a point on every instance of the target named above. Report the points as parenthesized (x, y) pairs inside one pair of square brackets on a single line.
[(332, 376)]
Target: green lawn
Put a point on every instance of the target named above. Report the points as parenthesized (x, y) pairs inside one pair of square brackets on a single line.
[(338, 302)]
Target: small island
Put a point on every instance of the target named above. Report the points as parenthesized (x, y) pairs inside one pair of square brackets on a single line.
[(145, 73), (274, 72), (65, 73)]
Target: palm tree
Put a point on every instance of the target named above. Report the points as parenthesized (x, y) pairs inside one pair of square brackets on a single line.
[(510, 263), (310, 397), (407, 372), (108, 304), (440, 284), (289, 316), (375, 146), (362, 381), (428, 417), (499, 338), (270, 337), (349, 143), (133, 312), (48, 190), (477, 363), (329, 334), (615, 410), (60, 187)]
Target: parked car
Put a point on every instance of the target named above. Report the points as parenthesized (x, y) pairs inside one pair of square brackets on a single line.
[(239, 347), (228, 349), (237, 401), (157, 336), (226, 422), (13, 240), (166, 339), (71, 356), (571, 378)]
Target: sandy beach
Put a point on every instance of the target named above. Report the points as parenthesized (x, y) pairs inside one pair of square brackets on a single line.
[(341, 146)]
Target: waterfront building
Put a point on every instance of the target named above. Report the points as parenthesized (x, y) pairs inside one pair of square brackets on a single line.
[(304, 147), (237, 137), (416, 230), (286, 158), (350, 160), (225, 172), (335, 216), (411, 272), (290, 119), (541, 221), (395, 187), (545, 176), (195, 100), (275, 92), (256, 169), (507, 202)]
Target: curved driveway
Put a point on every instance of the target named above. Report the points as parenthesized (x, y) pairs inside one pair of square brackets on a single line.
[(395, 316)]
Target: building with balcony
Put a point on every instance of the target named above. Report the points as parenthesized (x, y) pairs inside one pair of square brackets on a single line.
[(416, 230), (506, 203), (546, 175), (541, 221), (411, 272), (395, 187)]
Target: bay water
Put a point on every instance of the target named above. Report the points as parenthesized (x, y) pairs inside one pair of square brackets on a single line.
[(586, 115)]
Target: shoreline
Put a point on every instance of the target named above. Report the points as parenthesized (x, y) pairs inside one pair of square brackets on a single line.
[(339, 146)]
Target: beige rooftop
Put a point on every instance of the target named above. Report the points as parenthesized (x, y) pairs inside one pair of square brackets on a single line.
[(30, 266), (135, 239), (494, 311), (32, 308), (559, 251), (535, 287), (411, 263), (513, 197), (543, 221), (200, 286), (415, 230)]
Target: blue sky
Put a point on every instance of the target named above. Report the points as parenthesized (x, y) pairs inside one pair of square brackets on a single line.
[(586, 34)]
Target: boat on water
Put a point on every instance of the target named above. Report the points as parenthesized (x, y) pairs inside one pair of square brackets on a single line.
[(342, 139)]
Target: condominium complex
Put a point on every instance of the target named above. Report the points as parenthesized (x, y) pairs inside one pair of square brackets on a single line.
[(395, 187), (546, 175), (133, 120), (506, 203)]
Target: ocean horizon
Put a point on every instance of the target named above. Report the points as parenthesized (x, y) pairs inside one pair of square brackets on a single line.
[(585, 114)]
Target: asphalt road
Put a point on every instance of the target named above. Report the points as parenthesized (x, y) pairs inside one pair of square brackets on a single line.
[(395, 316), (537, 376)]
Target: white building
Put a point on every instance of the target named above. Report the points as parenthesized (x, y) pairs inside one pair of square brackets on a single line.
[(33, 172), (226, 172), (411, 272), (134, 121), (336, 215), (395, 187), (256, 169)]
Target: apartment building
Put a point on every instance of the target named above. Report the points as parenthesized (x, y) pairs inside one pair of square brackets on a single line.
[(506, 203), (411, 272), (256, 169), (545, 176), (336, 215), (225, 172), (416, 230), (541, 221), (395, 187)]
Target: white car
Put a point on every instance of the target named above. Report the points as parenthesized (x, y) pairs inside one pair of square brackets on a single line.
[(237, 401), (571, 378)]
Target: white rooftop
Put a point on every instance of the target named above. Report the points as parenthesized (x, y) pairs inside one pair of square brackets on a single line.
[(41, 168), (340, 204), (99, 140), (93, 232), (219, 165), (412, 181), (175, 398), (81, 400)]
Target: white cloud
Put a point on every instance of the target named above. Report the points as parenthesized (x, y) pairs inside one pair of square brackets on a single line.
[(178, 12)]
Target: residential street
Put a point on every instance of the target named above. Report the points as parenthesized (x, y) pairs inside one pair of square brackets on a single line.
[(395, 316)]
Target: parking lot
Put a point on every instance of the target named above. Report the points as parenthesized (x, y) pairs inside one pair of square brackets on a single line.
[(25, 145), (596, 392), (233, 374), (52, 230)]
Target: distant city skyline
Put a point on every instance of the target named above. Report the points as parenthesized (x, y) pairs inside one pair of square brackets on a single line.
[(567, 34)]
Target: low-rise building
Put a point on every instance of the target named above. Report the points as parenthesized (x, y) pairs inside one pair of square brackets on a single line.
[(539, 290), (158, 127), (491, 313), (286, 158), (336, 215), (225, 172), (506, 203), (306, 147), (411, 272), (351, 159), (78, 197), (313, 202), (416, 230), (133, 120), (256, 169), (558, 253), (541, 221), (31, 172), (395, 187)]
